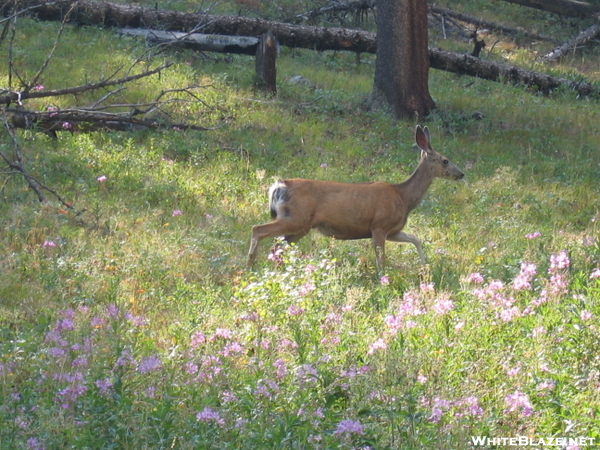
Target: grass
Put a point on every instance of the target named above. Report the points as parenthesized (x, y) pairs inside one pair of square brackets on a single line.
[(137, 326)]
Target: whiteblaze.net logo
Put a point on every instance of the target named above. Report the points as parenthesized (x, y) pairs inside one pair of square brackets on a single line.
[(523, 441)]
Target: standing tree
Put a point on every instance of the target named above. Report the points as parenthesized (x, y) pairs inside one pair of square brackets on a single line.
[(402, 66)]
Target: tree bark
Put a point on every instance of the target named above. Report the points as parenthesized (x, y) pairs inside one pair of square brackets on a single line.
[(570, 8), (402, 65), (266, 59)]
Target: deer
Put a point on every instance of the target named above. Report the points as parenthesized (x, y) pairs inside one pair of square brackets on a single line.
[(372, 210)]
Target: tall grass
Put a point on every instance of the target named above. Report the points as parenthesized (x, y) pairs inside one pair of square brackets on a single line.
[(135, 325)]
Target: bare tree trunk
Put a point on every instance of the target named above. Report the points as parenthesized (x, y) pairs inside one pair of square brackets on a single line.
[(266, 58), (402, 66)]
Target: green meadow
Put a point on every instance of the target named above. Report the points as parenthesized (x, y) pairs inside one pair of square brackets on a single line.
[(136, 325)]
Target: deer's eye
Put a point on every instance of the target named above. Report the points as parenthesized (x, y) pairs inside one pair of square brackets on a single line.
[(446, 162)]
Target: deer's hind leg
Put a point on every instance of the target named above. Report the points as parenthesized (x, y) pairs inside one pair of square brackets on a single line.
[(273, 229)]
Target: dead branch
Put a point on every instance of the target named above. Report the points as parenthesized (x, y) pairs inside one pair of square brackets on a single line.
[(358, 8), (74, 120), (570, 8), (481, 23), (9, 96), (16, 166), (583, 38), (21, 12)]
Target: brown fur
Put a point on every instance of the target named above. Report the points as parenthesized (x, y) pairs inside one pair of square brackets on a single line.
[(353, 211)]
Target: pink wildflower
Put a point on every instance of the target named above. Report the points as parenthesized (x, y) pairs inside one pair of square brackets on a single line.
[(519, 402), (149, 364), (295, 310), (523, 280), (443, 306), (379, 344), (208, 415), (475, 277), (559, 261), (439, 405), (349, 427)]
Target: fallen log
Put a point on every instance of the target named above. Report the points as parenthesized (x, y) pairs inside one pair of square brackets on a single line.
[(570, 8), (317, 38), (90, 12), (583, 38), (242, 45), (481, 23), (494, 71)]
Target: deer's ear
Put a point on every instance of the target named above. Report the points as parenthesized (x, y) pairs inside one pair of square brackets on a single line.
[(422, 138), (426, 131)]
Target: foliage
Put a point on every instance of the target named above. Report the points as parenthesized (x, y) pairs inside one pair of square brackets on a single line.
[(134, 325)]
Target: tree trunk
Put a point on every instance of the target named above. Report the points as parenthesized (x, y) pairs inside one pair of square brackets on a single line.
[(570, 8), (402, 65), (266, 67)]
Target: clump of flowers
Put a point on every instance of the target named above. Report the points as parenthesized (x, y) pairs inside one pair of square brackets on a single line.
[(349, 427), (463, 407), (519, 403)]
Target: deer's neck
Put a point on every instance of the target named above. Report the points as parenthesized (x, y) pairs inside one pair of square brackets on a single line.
[(414, 189)]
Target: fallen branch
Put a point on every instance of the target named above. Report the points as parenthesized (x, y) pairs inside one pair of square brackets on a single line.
[(243, 45), (16, 166), (582, 39), (570, 8), (10, 96), (481, 23), (358, 8), (51, 122)]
